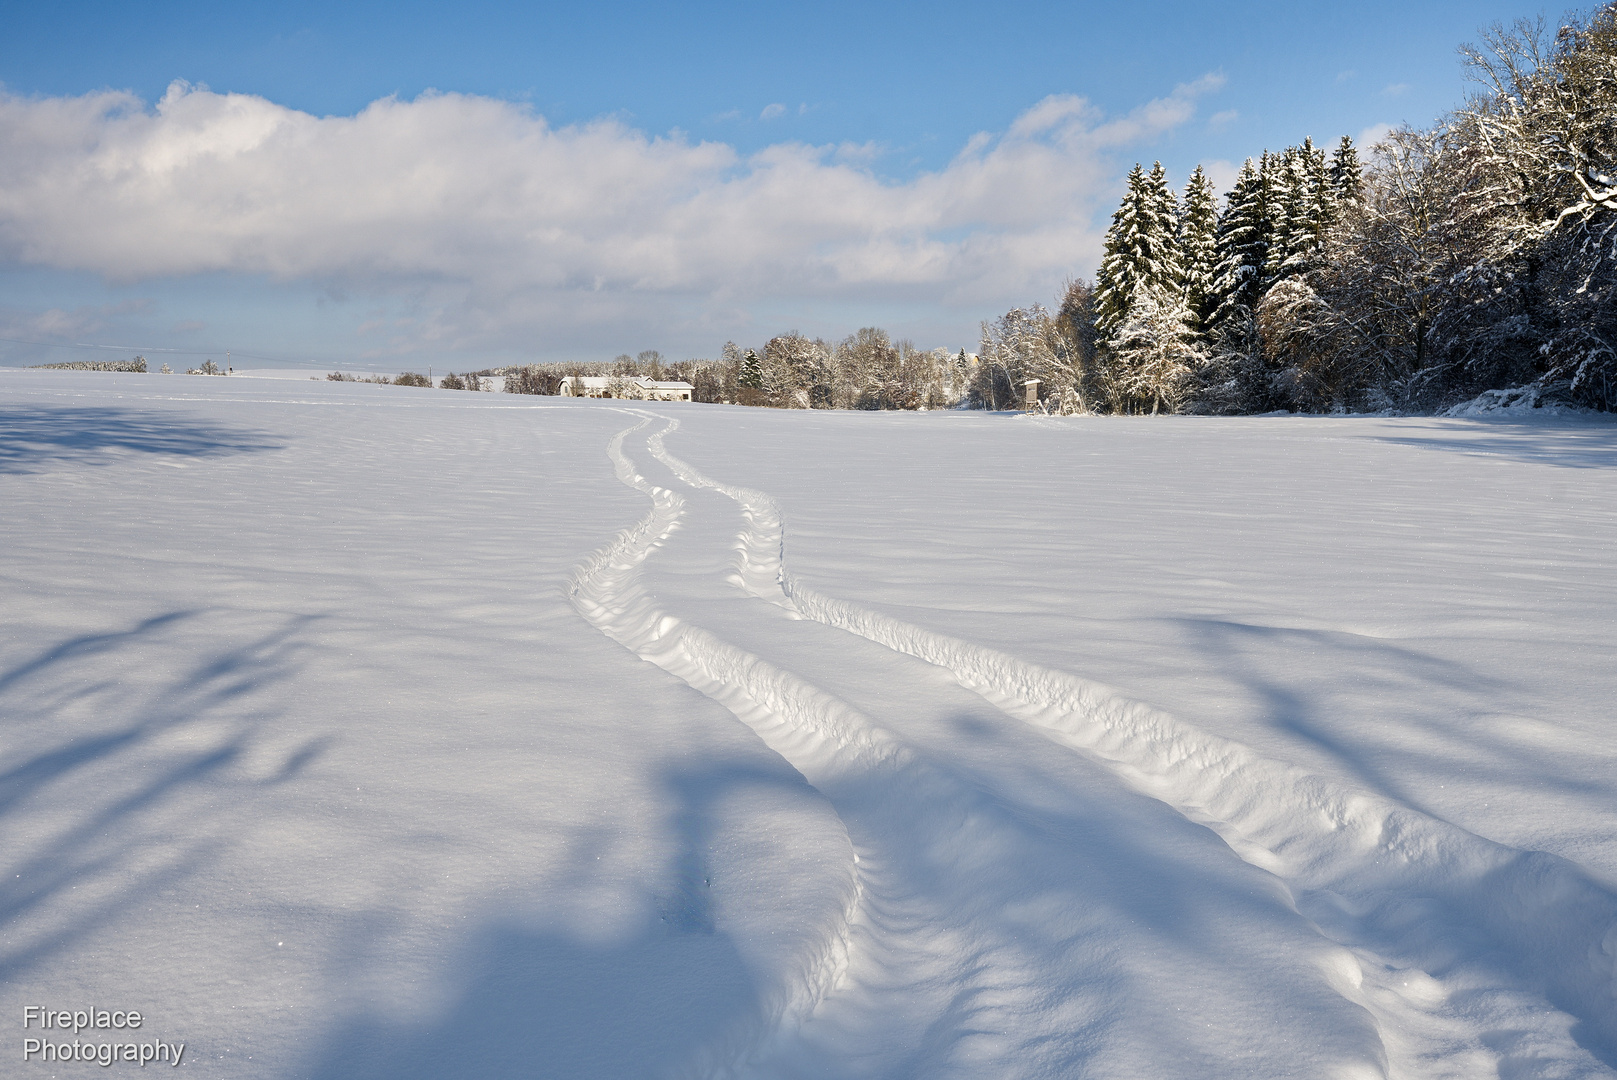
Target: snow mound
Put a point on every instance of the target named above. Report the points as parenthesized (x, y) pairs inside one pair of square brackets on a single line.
[(1531, 399)]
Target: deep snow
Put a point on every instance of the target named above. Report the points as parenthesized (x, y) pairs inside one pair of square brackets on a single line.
[(357, 731)]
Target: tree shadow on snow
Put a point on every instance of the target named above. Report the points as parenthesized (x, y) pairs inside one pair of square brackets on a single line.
[(549, 1005), (34, 437), (1570, 443), (1303, 698), (69, 874), (671, 997)]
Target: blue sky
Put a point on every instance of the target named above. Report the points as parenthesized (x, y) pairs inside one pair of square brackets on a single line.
[(846, 178)]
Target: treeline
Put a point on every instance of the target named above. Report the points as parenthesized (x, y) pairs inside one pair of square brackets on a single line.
[(866, 370), (1474, 255), (137, 365)]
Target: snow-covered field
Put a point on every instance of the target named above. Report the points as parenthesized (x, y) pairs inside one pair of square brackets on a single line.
[(354, 731)]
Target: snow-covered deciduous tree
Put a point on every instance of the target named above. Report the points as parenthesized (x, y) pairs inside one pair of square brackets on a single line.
[(871, 373), (796, 371), (1155, 356), (1075, 329), (1543, 137), (1022, 344)]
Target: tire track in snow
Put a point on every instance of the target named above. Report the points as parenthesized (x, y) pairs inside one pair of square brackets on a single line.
[(910, 979), (821, 736), (1455, 942)]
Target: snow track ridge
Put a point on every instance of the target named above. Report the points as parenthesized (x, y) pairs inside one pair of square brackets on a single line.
[(789, 714), (891, 946), (1377, 876)]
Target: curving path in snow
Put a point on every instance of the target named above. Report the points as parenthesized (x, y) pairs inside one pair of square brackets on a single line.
[(1048, 880)]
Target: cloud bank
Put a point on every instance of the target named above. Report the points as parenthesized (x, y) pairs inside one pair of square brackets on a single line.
[(507, 225)]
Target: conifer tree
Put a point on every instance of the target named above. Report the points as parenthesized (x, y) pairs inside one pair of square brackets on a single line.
[(1346, 175), (1300, 211), (1313, 209), (1287, 183), (1241, 250), (1142, 250), (1321, 196), (1198, 240), (1168, 277), (1120, 272), (751, 374)]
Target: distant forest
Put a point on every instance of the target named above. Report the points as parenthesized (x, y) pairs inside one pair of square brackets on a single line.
[(1473, 255)]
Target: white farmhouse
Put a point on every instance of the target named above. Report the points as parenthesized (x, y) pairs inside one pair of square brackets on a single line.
[(638, 388)]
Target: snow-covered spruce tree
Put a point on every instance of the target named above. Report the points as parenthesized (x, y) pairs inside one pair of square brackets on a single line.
[(1233, 379), (1319, 205), (1142, 248), (1300, 207), (1121, 263), (1279, 181), (1346, 174), (1241, 249), (750, 374), (1274, 228), (1278, 192), (1142, 263), (1198, 246), (1295, 211)]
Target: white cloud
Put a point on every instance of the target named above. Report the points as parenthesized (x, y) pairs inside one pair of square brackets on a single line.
[(1222, 174), (1155, 117), (65, 326), (1371, 135), (1220, 120), (1395, 89), (478, 222), (772, 111)]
